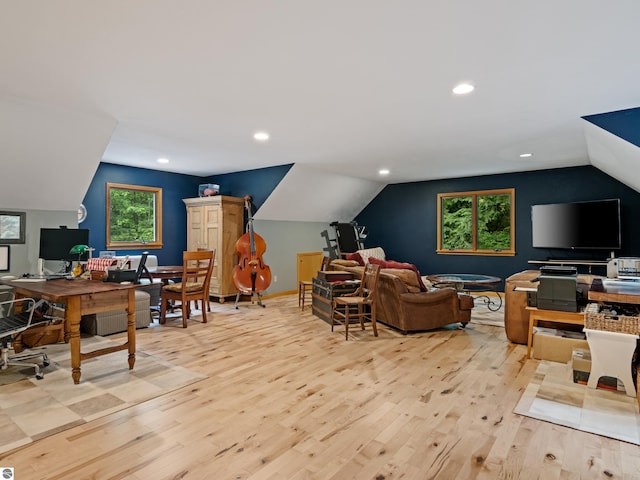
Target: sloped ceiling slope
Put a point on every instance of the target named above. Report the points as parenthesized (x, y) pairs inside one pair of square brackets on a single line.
[(613, 155), (49, 154), (346, 87), (311, 195), (622, 123)]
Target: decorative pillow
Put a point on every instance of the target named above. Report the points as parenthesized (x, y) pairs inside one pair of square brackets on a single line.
[(356, 257), (400, 266), (345, 263), (407, 276), (376, 252)]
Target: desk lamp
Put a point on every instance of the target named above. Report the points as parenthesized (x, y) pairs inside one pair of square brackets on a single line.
[(79, 250)]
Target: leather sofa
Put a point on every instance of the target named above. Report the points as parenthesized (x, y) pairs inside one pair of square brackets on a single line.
[(402, 307)]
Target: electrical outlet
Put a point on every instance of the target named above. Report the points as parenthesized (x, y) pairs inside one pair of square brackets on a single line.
[(275, 278)]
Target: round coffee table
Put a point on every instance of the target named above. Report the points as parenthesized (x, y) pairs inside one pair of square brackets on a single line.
[(471, 283)]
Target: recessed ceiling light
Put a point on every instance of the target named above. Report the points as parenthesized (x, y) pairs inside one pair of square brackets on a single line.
[(463, 88), (525, 155), (261, 136), (163, 160), (383, 171)]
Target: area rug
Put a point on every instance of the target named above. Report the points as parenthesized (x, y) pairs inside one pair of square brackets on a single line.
[(552, 396), (31, 409)]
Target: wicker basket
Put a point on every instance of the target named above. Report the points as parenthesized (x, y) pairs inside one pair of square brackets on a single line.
[(594, 320)]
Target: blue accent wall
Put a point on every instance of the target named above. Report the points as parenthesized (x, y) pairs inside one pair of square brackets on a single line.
[(174, 186), (622, 123), (258, 183), (403, 219)]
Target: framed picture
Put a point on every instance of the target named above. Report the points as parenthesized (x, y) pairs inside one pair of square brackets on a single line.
[(4, 258), (12, 227)]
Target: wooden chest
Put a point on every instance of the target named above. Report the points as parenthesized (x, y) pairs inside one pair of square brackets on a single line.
[(323, 292)]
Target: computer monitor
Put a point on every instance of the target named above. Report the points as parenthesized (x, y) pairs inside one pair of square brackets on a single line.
[(56, 243)]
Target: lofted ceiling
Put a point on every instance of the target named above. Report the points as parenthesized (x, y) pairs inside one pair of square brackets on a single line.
[(343, 87)]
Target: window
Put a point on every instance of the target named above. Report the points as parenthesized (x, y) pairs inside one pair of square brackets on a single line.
[(134, 216), (478, 223), (12, 227)]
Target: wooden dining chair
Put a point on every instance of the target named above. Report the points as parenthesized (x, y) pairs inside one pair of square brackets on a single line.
[(196, 276), (359, 305), (305, 286), (200, 249)]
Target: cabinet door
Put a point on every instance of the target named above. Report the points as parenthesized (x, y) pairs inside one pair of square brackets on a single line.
[(212, 240), (195, 227), (308, 265), (231, 228)]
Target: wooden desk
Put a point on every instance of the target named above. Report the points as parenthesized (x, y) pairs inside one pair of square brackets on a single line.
[(535, 315), (166, 272), (613, 295), (82, 297)]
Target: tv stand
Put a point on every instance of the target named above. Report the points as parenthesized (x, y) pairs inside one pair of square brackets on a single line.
[(571, 262)]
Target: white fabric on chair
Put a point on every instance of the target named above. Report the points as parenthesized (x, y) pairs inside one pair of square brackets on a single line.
[(375, 252)]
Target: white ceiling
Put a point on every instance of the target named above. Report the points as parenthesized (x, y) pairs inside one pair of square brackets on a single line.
[(343, 86)]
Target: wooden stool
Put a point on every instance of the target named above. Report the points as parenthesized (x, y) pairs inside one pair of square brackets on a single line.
[(303, 287)]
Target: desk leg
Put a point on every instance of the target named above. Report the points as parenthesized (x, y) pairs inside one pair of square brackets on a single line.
[(131, 327), (72, 322), (532, 321)]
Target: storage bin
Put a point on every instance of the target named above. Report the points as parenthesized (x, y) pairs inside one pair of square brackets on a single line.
[(596, 319)]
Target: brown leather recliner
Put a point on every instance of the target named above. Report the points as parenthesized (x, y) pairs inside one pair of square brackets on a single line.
[(409, 312), (416, 311)]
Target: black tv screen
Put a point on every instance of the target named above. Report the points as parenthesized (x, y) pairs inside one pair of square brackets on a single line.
[(578, 225), (55, 243)]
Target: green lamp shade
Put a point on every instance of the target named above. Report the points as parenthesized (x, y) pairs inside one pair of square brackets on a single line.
[(78, 249)]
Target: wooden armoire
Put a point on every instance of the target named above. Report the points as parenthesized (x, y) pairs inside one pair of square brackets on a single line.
[(216, 223)]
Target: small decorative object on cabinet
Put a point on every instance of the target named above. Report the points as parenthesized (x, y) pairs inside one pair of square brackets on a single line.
[(216, 223)]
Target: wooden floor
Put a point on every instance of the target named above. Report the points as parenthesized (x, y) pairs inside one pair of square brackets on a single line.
[(287, 399)]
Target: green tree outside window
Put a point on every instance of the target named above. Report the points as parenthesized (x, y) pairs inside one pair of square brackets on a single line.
[(479, 222), (134, 216)]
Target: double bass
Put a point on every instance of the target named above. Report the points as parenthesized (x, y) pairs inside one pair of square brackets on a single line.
[(251, 274)]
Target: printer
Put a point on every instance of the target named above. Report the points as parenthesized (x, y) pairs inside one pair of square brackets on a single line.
[(558, 289), (628, 267)]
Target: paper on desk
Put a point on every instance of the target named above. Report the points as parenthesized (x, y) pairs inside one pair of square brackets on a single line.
[(525, 289)]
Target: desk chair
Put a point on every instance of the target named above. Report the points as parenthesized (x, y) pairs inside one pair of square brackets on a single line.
[(201, 249), (196, 276), (15, 317), (305, 286), (360, 304)]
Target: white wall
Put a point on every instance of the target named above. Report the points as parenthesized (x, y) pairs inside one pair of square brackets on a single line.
[(284, 241), (24, 257)]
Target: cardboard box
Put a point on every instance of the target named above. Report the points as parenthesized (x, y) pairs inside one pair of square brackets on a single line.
[(556, 345), (581, 365)]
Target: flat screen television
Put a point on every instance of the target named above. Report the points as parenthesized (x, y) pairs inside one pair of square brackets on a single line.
[(577, 225), (55, 243)]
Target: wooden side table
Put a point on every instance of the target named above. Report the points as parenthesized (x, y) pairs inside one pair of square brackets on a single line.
[(535, 315)]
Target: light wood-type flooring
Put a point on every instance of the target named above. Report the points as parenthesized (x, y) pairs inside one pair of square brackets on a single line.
[(287, 399)]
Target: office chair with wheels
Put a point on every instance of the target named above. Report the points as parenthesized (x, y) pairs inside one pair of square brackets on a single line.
[(15, 317)]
